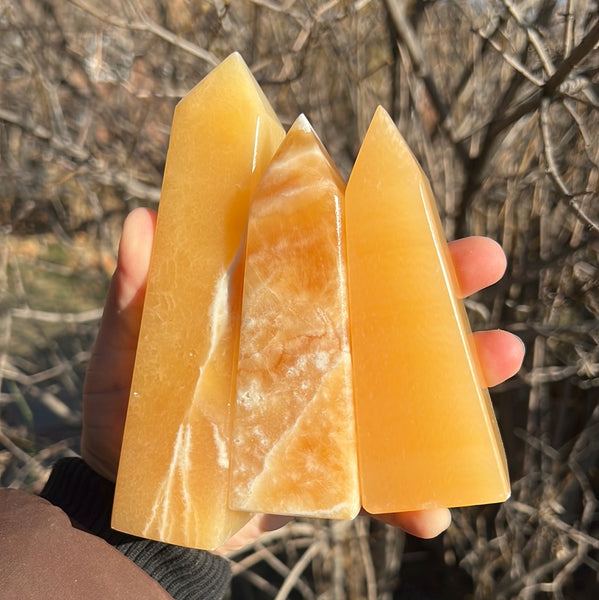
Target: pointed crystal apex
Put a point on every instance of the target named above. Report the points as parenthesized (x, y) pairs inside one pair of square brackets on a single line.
[(302, 124)]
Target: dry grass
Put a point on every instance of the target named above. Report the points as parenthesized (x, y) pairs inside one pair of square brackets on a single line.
[(499, 101)]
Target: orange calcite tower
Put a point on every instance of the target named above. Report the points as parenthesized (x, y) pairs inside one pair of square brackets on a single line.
[(293, 440), (173, 475), (427, 435)]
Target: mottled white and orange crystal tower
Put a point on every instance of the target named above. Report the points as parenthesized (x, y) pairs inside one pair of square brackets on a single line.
[(427, 435), (293, 442), (173, 474)]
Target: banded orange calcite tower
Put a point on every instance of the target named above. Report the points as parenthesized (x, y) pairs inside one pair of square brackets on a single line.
[(427, 435), (173, 474), (293, 441)]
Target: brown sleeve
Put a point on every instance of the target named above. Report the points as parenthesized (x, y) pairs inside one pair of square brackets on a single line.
[(42, 556)]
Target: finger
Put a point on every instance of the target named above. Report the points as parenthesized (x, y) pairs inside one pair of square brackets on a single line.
[(253, 530), (420, 523), (114, 350), (500, 353), (478, 261), (125, 300)]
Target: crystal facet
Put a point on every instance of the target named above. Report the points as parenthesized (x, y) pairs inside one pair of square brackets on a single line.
[(427, 435)]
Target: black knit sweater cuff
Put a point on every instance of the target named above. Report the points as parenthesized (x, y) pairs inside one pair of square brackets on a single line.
[(85, 496), (184, 573)]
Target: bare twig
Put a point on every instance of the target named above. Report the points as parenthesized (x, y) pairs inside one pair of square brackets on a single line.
[(282, 569), (511, 60), (549, 88), (553, 170), (361, 526), (69, 148), (297, 570), (534, 38), (85, 316), (19, 454), (569, 29), (407, 36), (119, 179), (567, 66), (148, 26)]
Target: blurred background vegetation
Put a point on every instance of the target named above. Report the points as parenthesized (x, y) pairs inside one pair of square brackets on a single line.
[(499, 101)]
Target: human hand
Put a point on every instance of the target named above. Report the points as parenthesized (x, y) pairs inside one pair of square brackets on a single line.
[(479, 262)]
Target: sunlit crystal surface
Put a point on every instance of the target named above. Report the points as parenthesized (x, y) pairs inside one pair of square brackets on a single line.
[(427, 435), (293, 448), (173, 476)]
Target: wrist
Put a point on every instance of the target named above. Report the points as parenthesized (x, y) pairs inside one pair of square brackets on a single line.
[(104, 467)]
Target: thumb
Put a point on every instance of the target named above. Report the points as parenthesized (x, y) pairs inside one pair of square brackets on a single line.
[(112, 359)]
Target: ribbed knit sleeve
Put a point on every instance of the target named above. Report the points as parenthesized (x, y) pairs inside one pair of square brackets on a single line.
[(185, 574), (87, 499), (84, 496)]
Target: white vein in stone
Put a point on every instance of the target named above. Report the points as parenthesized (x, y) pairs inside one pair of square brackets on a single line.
[(222, 457), (176, 479), (179, 468), (256, 140), (290, 433)]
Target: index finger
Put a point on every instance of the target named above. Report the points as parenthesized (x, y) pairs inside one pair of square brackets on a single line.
[(479, 262)]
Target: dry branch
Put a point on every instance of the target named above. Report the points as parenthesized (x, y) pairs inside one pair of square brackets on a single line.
[(145, 24)]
